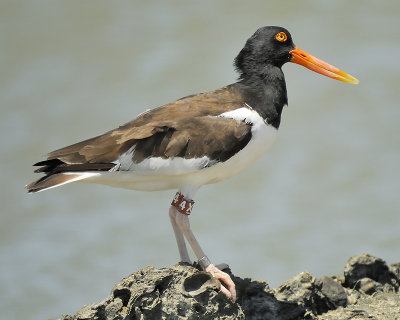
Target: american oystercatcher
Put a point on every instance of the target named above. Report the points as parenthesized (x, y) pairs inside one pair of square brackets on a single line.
[(197, 140)]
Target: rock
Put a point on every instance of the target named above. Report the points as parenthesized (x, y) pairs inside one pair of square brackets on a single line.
[(332, 294), (380, 306), (369, 286), (360, 270), (318, 296), (180, 292), (299, 288), (259, 302), (395, 269), (185, 292)]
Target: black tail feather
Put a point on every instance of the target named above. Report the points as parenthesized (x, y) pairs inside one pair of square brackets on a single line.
[(58, 173)]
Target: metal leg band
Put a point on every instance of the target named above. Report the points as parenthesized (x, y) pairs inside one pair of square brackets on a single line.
[(204, 262)]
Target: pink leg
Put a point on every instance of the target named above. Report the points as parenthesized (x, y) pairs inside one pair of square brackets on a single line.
[(180, 240), (184, 225)]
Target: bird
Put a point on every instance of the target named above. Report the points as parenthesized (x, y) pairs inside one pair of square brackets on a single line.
[(194, 141)]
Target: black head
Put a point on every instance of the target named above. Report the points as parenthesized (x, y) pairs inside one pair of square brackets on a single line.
[(267, 46), (272, 47)]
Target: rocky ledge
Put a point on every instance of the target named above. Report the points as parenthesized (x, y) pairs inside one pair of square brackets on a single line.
[(369, 289)]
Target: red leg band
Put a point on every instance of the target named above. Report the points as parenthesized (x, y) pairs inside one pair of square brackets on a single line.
[(181, 204)]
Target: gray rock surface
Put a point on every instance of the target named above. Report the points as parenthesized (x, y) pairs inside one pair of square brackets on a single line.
[(368, 290)]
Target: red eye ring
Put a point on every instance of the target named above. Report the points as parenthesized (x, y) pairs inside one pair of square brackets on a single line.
[(281, 36)]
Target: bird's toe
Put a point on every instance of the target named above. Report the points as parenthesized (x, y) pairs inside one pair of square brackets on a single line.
[(229, 290)]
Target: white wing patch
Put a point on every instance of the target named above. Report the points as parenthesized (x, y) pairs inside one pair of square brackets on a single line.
[(124, 162), (246, 114), (173, 165)]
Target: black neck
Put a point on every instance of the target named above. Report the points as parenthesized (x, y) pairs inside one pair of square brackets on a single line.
[(265, 93)]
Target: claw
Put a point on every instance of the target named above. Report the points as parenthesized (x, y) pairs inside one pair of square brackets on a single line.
[(226, 279)]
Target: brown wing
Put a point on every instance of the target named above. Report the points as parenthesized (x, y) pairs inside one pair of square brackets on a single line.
[(171, 119), (214, 137)]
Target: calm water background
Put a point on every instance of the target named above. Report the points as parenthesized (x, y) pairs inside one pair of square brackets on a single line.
[(70, 70)]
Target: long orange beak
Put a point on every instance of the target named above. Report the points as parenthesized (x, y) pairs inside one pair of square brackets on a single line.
[(307, 60)]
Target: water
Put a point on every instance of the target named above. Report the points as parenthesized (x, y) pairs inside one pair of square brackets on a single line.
[(71, 70)]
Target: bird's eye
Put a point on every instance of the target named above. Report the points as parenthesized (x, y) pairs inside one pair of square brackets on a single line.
[(281, 36)]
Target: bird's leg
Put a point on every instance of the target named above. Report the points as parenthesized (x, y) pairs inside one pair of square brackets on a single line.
[(180, 240), (183, 223)]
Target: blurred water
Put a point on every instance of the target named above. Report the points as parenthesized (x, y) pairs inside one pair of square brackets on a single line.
[(71, 70)]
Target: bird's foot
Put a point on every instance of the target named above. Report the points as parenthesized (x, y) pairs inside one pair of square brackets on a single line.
[(230, 292)]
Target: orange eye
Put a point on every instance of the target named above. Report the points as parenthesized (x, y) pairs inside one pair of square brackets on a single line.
[(281, 36)]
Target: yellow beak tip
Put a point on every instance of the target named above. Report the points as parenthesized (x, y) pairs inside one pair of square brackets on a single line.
[(353, 80)]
